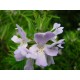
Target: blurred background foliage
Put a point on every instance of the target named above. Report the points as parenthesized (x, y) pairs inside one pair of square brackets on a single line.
[(40, 21)]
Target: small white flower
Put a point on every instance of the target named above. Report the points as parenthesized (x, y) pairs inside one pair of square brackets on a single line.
[(78, 29)]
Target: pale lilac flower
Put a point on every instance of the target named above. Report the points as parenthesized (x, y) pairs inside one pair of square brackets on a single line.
[(57, 29), (21, 52), (56, 25), (40, 51)]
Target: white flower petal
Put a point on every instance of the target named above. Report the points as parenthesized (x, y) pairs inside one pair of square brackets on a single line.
[(16, 39), (18, 56), (23, 50), (41, 60), (33, 51), (51, 51)]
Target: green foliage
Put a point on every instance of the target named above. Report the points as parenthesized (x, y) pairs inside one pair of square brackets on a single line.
[(39, 21)]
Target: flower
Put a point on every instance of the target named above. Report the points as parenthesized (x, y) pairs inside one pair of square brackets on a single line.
[(21, 52), (57, 29), (78, 29), (40, 51)]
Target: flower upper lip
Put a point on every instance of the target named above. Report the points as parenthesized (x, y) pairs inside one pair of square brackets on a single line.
[(43, 38)]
